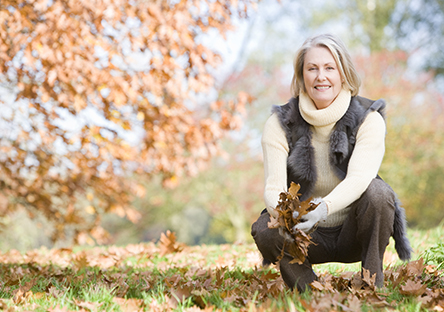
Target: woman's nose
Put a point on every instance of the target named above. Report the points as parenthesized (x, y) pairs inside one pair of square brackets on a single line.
[(321, 75)]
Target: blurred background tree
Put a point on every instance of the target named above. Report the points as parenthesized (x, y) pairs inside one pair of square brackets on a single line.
[(397, 46), (394, 44), (97, 92), (419, 29)]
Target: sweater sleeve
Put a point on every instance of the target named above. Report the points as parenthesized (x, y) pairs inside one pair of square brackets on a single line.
[(363, 166), (275, 151)]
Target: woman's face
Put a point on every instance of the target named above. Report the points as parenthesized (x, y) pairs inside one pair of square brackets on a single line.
[(322, 78)]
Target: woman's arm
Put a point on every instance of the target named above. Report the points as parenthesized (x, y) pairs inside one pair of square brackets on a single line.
[(364, 163), (275, 150)]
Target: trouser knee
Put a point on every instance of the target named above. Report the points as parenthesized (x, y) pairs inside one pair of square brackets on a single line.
[(377, 202), (268, 241)]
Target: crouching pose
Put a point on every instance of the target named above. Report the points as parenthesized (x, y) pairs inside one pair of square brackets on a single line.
[(331, 142)]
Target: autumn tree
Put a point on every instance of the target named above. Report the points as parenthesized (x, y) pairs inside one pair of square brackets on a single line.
[(220, 203), (95, 92), (415, 133)]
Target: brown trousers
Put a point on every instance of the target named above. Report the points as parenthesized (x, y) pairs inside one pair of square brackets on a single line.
[(363, 236)]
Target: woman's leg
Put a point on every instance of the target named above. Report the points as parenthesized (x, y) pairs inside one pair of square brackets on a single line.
[(363, 237), (270, 242), (367, 230)]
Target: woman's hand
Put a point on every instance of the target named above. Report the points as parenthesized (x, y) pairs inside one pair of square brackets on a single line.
[(309, 220)]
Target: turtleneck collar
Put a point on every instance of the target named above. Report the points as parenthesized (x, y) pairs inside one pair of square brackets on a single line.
[(326, 116)]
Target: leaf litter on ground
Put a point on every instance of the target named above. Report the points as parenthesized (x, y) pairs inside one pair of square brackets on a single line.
[(170, 276)]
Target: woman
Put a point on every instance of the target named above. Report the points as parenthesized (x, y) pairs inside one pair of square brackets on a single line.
[(330, 141)]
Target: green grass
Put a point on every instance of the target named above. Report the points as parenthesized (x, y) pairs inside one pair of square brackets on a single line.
[(218, 278)]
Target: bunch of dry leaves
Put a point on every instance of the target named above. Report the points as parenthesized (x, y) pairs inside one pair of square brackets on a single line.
[(290, 212)]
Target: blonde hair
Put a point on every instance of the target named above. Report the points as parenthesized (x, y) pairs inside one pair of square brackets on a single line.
[(341, 56)]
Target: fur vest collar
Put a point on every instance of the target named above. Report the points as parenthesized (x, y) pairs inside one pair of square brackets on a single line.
[(300, 163)]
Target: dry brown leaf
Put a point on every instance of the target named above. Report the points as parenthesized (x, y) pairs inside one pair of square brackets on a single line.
[(120, 287), (181, 293), (198, 309), (166, 305), (356, 283), (80, 260), (415, 268), (129, 305), (56, 293), (270, 275), (427, 300), (57, 308), (4, 306), (22, 293), (368, 278), (18, 297), (168, 244), (376, 300), (323, 303), (317, 286), (412, 288), (354, 304), (90, 306)]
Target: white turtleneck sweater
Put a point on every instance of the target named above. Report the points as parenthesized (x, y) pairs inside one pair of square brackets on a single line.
[(363, 166)]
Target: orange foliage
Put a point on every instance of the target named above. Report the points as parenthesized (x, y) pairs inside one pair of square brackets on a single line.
[(415, 132), (112, 70)]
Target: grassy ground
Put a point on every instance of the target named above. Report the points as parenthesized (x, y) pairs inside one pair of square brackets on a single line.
[(168, 276)]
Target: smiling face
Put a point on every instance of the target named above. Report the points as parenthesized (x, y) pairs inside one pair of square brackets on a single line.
[(322, 78)]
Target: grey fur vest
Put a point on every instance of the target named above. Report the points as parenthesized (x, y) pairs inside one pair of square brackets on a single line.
[(300, 163)]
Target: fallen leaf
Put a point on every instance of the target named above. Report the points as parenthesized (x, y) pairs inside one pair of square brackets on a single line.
[(90, 306), (354, 304), (368, 278), (56, 293), (316, 285), (181, 293), (18, 297), (3, 305), (23, 293), (129, 305), (80, 260), (270, 275), (38, 295), (415, 268), (57, 308), (168, 243), (412, 288), (426, 300), (375, 300), (439, 306), (356, 282)]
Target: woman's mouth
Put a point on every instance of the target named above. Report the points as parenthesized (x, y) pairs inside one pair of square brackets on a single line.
[(322, 88)]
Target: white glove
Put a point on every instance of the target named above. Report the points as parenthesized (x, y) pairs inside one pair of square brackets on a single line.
[(309, 220)]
